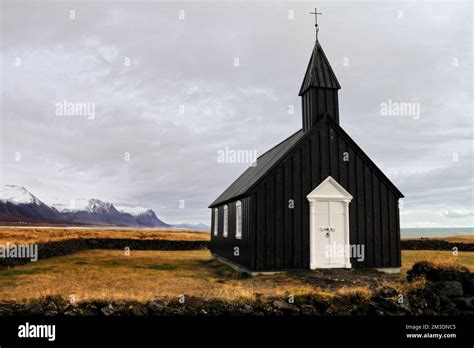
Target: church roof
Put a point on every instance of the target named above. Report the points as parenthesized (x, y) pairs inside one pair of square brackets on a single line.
[(254, 173), (319, 72), (269, 159)]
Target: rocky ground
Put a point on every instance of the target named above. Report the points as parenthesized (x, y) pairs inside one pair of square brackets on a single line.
[(333, 279), (443, 292)]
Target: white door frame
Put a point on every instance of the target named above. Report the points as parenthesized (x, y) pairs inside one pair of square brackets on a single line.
[(328, 191)]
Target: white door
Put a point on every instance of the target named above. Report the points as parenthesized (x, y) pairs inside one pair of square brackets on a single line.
[(321, 234), (329, 226), (329, 218)]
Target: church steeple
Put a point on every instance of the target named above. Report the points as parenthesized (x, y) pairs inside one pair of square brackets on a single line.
[(319, 89)]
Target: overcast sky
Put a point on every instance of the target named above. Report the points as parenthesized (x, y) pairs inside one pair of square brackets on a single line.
[(160, 121)]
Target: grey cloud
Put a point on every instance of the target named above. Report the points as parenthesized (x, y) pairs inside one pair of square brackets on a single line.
[(190, 62), (453, 214)]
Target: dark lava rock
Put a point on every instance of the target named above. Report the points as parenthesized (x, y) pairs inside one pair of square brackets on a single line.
[(285, 307), (51, 307), (308, 310), (388, 292), (368, 308), (33, 308), (192, 301), (91, 310), (387, 305), (155, 307), (418, 302), (107, 310), (425, 269), (405, 307), (467, 281), (247, 309), (448, 307), (139, 310), (432, 299), (464, 303), (449, 288), (5, 311)]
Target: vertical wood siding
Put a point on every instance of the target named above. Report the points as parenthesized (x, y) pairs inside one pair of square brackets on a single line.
[(282, 233), (316, 102), (224, 246)]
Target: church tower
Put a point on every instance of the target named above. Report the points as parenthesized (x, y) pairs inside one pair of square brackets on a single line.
[(319, 90), (335, 202)]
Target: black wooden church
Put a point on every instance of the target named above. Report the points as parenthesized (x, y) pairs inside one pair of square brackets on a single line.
[(313, 200)]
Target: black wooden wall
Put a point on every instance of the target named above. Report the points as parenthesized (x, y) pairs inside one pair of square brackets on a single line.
[(317, 102), (281, 240), (224, 246), (276, 237)]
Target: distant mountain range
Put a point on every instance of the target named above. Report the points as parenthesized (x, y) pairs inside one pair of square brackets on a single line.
[(18, 205), (193, 226)]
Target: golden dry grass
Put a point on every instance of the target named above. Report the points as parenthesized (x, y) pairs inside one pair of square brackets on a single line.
[(442, 258), (359, 291), (43, 235), (145, 275)]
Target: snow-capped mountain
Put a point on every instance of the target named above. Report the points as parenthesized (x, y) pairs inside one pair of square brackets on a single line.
[(93, 211), (17, 204), (143, 216), (97, 212), (17, 195), (135, 211), (71, 206), (85, 205)]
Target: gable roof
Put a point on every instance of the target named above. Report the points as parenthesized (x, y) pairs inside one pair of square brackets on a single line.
[(319, 72), (329, 188), (269, 159), (264, 162)]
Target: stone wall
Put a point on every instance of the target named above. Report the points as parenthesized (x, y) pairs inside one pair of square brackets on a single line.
[(69, 246), (432, 244)]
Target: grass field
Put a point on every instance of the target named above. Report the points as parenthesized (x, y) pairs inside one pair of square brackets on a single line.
[(439, 257), (42, 235), (144, 275)]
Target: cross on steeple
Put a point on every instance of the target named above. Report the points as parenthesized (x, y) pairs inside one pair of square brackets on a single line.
[(316, 13)]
